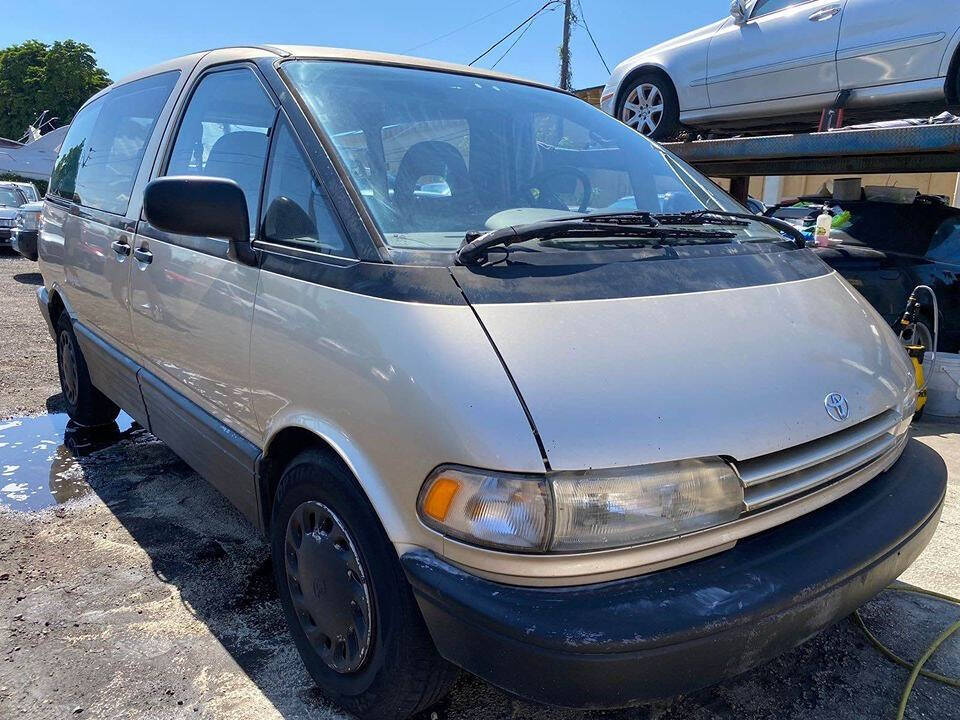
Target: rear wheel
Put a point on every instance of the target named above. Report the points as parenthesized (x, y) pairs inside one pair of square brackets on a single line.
[(650, 106), (86, 405), (348, 605)]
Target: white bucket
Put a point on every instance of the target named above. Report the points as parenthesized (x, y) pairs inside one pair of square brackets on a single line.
[(943, 385)]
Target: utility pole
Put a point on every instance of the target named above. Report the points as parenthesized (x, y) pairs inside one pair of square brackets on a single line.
[(566, 76)]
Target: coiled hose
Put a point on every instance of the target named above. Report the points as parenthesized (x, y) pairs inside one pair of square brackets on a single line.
[(917, 667)]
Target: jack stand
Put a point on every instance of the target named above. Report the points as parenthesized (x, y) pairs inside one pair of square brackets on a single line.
[(832, 117)]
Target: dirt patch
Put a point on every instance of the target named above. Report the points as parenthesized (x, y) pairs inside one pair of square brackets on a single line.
[(150, 596), (28, 368)]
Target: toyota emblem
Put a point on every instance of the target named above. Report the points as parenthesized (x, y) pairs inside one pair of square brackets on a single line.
[(837, 407)]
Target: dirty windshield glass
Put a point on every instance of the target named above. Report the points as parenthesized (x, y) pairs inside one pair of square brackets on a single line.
[(435, 155)]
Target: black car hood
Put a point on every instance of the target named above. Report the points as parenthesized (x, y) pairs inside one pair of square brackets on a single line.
[(848, 252)]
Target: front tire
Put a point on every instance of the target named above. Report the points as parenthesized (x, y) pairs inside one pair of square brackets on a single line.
[(86, 405), (346, 600), (649, 105)]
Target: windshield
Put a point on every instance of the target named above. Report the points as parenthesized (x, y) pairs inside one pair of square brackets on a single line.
[(435, 155), (10, 197)]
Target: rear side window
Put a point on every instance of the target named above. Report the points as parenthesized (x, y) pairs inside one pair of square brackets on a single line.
[(101, 154), (295, 206), (224, 133)]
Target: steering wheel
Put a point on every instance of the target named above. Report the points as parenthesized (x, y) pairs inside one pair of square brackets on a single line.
[(547, 198)]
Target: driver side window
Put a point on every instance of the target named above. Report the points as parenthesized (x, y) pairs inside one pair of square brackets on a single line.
[(767, 7)]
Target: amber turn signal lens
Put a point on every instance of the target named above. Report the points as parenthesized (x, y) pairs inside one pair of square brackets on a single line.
[(437, 502)]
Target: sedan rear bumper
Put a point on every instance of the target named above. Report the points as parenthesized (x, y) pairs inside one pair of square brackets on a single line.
[(619, 643), (25, 243)]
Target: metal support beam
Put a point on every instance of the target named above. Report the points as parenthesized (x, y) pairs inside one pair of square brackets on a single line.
[(918, 149)]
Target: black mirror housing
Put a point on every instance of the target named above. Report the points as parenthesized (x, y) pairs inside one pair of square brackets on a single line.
[(202, 206)]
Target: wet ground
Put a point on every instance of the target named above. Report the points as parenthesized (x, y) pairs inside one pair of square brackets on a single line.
[(39, 458), (130, 589)]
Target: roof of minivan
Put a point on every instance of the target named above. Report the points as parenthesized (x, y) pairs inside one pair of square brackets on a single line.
[(330, 53)]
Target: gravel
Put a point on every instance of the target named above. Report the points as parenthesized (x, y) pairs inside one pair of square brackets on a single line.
[(28, 376), (148, 595)]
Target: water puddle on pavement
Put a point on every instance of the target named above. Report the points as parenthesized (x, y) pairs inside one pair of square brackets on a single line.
[(40, 458)]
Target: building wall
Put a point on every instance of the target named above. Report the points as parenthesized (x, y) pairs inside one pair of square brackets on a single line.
[(795, 185)]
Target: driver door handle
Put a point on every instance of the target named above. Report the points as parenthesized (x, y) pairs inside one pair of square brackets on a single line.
[(824, 14), (121, 247), (143, 255)]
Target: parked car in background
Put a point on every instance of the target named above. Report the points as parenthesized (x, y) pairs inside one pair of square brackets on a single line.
[(775, 64), (446, 406), (11, 199), (29, 191), (886, 249), (25, 229)]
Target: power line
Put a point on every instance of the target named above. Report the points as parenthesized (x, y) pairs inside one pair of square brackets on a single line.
[(515, 41), (590, 34), (463, 27), (498, 42)]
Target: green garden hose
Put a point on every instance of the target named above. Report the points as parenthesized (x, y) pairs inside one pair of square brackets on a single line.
[(917, 667)]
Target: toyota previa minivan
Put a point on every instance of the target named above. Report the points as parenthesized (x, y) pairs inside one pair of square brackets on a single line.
[(508, 387)]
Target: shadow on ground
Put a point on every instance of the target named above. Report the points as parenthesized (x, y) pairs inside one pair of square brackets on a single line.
[(219, 570), (33, 278)]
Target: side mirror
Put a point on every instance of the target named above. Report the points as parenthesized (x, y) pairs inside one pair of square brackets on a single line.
[(738, 9), (203, 206)]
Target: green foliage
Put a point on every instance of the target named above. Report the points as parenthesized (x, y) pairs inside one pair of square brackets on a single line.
[(35, 77), (40, 185)]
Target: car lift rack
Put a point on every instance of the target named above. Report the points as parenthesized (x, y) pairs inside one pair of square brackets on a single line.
[(916, 149)]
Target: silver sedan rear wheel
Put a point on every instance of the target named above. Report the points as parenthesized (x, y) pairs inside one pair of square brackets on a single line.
[(643, 109)]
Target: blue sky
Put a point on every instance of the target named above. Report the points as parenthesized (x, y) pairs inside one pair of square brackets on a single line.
[(130, 35)]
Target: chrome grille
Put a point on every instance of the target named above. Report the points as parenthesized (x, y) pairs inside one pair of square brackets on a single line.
[(6, 222), (773, 478)]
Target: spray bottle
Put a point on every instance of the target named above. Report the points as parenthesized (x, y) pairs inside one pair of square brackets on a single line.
[(822, 232)]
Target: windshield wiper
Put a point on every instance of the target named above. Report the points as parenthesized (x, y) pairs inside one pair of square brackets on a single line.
[(475, 245), (707, 216)]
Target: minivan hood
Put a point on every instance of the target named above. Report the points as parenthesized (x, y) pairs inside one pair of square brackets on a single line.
[(737, 372)]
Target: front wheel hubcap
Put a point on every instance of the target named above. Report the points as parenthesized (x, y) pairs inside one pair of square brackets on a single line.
[(328, 586), (643, 108)]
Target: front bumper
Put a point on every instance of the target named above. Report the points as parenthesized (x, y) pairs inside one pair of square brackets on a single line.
[(5, 235), (25, 243), (677, 630)]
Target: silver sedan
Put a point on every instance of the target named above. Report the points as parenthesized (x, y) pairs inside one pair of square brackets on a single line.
[(775, 64)]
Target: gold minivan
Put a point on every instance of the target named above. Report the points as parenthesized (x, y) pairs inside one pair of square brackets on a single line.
[(508, 386)]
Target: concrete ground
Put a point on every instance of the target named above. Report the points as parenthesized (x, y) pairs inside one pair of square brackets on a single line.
[(137, 591)]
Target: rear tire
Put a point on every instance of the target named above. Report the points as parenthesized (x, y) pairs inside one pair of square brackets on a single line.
[(363, 639), (86, 405), (649, 105)]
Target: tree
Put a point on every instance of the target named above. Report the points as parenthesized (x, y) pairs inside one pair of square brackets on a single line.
[(35, 77)]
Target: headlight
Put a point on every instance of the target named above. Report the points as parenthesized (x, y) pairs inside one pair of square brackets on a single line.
[(494, 510), (576, 512), (27, 220)]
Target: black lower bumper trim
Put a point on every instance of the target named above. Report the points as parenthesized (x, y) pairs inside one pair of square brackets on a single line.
[(677, 630)]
